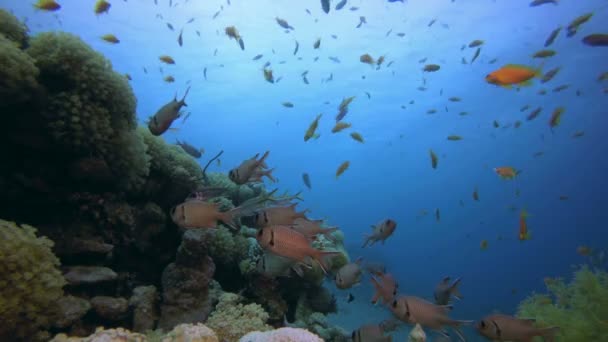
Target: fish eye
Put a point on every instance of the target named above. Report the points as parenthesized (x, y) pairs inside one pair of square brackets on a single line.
[(482, 324), (260, 232), (395, 303), (173, 211), (354, 334)]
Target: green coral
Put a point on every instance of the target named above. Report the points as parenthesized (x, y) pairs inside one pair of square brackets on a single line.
[(231, 319), (30, 282), (91, 108), (18, 72), (237, 193), (13, 29), (226, 248), (579, 308), (172, 162)]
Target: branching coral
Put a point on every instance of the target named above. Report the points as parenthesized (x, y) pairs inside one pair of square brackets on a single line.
[(231, 319), (580, 308), (13, 29), (30, 283), (91, 108)]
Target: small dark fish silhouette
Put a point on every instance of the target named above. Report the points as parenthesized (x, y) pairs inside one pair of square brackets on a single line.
[(257, 57), (216, 14), (306, 180), (297, 48), (205, 73), (324, 6), (340, 5), (179, 39), (432, 22), (191, 20), (334, 59), (170, 26), (350, 298)]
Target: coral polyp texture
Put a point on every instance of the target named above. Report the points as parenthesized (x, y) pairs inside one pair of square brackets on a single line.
[(90, 107), (30, 282), (232, 319), (578, 308), (282, 335)]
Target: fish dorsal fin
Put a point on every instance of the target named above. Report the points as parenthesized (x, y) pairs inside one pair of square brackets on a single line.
[(183, 100), (446, 280)]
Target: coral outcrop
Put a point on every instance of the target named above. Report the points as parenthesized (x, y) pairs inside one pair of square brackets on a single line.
[(231, 319), (30, 282), (282, 335), (185, 283)]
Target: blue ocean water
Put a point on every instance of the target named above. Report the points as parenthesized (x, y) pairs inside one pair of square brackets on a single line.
[(235, 110)]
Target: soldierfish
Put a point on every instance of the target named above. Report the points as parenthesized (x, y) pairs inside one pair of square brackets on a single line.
[(380, 232), (349, 275), (191, 150), (416, 310), (286, 242), (370, 333), (278, 216), (251, 170), (272, 266), (507, 328), (199, 214), (386, 287), (164, 117), (444, 291)]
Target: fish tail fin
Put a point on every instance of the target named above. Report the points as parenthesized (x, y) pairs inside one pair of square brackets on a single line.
[(319, 257), (454, 289), (549, 333), (262, 161), (229, 217), (268, 174)]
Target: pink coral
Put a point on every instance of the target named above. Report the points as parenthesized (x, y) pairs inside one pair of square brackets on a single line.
[(282, 335)]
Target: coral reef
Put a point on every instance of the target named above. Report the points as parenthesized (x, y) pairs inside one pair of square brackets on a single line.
[(185, 283), (231, 319), (579, 308), (13, 29), (30, 282), (144, 302), (90, 107), (18, 73), (281, 335)]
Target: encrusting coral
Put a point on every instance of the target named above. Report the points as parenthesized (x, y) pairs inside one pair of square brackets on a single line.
[(579, 309), (30, 282), (231, 319)]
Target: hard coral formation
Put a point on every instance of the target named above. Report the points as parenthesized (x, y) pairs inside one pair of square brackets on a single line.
[(181, 333), (30, 282), (91, 108), (18, 72), (13, 29), (579, 309), (282, 335), (176, 172), (231, 319), (185, 283), (225, 247)]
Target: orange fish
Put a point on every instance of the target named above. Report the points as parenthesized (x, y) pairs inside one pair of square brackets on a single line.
[(286, 242), (584, 250), (47, 5), (386, 287), (102, 6), (524, 234), (511, 74), (251, 170), (200, 214), (506, 172), (278, 216)]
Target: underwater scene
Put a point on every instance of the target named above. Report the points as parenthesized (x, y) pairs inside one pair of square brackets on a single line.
[(304, 170)]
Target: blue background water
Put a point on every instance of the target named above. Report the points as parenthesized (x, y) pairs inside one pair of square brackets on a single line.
[(390, 175)]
